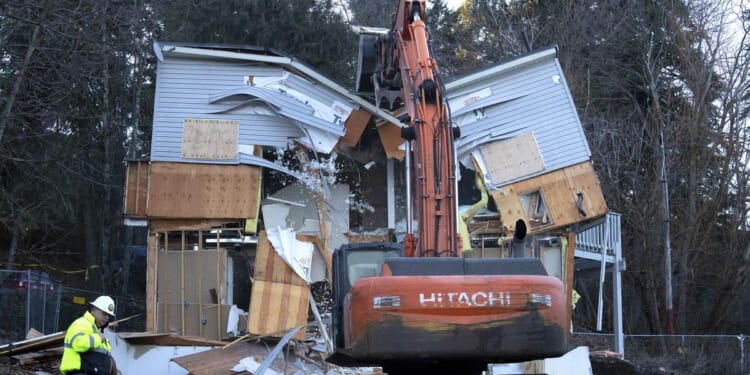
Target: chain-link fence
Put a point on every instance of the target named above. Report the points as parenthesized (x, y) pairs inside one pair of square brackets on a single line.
[(74, 302), (679, 354), (30, 299)]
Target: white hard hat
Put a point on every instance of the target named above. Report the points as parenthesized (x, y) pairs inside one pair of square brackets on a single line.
[(105, 303)]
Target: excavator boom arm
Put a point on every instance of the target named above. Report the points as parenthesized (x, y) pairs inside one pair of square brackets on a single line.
[(429, 132)]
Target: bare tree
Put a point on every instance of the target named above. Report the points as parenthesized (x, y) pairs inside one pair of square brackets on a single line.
[(637, 69), (65, 126)]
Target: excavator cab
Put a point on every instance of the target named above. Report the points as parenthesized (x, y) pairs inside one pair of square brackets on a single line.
[(352, 262)]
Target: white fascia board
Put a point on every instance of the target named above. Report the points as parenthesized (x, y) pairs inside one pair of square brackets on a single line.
[(279, 60), (483, 75), (204, 52), (135, 222)]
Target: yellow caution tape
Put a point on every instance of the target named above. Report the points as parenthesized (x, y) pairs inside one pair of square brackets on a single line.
[(48, 267)]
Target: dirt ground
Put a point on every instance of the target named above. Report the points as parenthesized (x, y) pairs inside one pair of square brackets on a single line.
[(7, 367)]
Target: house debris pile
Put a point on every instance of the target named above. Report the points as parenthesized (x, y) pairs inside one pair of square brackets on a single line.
[(261, 167), (143, 353)]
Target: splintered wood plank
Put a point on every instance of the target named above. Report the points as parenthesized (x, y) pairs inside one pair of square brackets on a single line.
[(136, 188), (210, 139), (270, 267), (181, 190), (172, 225), (390, 136), (560, 190), (279, 296), (355, 125), (220, 361), (277, 307), (512, 158)]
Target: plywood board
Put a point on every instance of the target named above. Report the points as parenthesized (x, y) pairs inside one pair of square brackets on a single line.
[(512, 158), (136, 188), (559, 189), (189, 191), (390, 136), (200, 320), (277, 307), (270, 267), (210, 139), (200, 275), (355, 125), (220, 361), (166, 339), (185, 281)]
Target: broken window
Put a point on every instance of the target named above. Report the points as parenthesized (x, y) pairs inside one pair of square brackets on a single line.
[(535, 209)]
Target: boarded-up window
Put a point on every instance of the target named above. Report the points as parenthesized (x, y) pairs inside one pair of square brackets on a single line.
[(210, 139), (512, 158)]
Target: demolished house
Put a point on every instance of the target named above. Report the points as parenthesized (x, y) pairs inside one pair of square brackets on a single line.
[(261, 167)]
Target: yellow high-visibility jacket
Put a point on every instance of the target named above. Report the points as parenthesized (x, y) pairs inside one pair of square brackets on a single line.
[(82, 336)]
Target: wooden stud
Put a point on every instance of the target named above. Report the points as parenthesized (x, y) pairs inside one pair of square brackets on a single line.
[(166, 276), (324, 251), (200, 281), (182, 282), (137, 184), (218, 284), (568, 271), (151, 265)]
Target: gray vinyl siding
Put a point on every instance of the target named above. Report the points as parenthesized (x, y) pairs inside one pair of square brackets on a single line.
[(525, 99), (193, 87), (325, 95)]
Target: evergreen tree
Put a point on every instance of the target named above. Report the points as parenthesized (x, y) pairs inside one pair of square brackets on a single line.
[(76, 78), (310, 30)]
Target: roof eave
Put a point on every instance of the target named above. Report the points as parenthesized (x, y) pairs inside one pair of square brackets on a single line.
[(498, 69), (173, 49)]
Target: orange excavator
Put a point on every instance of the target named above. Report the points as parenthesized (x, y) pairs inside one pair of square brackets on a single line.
[(420, 306)]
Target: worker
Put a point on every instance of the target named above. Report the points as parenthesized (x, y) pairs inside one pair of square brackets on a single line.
[(86, 350)]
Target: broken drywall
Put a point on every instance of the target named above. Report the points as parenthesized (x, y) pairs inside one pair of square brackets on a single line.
[(294, 207), (139, 359)]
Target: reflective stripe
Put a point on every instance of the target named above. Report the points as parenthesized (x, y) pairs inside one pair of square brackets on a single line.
[(101, 350), (91, 342), (74, 337)]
